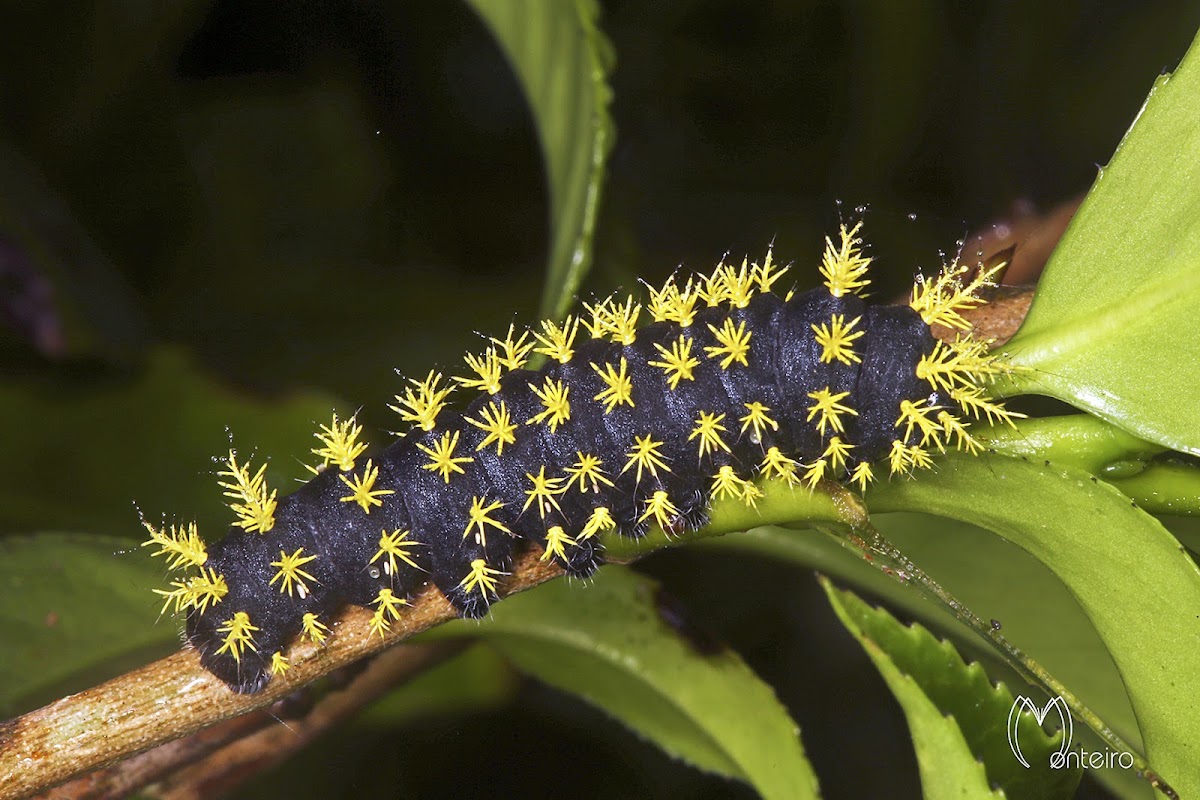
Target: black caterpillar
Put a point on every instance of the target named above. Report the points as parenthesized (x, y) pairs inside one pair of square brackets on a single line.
[(624, 427)]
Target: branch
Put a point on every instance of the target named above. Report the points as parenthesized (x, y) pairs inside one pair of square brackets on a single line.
[(231, 766), (175, 697), (217, 759)]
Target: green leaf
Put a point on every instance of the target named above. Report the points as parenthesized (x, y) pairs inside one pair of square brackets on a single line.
[(1128, 463), (947, 767), (959, 692), (1129, 575), (980, 570), (471, 681), (1077, 440), (1112, 326), (562, 60), (1164, 488), (75, 610), (614, 644)]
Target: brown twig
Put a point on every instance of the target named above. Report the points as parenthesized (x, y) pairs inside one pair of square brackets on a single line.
[(220, 757), (227, 768), (175, 697), (997, 320), (126, 777), (1025, 239)]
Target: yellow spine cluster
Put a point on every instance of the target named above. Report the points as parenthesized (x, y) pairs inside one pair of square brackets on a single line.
[(768, 273), (837, 452), (942, 300), (180, 544), (253, 502), (488, 370), (622, 322), (556, 406), (829, 408), (736, 286), (480, 519), (711, 288), (837, 339), (588, 473), (777, 466), (197, 591), (831, 464), (388, 611), (757, 420), (678, 363), (917, 416), (183, 549), (734, 344), (441, 456), (862, 475), (843, 266), (964, 363), (645, 455), (557, 541), (362, 489), (544, 491), (497, 423), (728, 484), (339, 445), (237, 636), (613, 320), (423, 401), (739, 284), (558, 342), (481, 578), (313, 629), (512, 353), (903, 458), (672, 304), (395, 545), (291, 574), (961, 369), (618, 386), (814, 473), (708, 430), (660, 508), (601, 521)]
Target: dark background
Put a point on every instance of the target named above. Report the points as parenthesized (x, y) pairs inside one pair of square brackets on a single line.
[(304, 194)]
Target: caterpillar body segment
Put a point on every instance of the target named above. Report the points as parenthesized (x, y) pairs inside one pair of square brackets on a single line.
[(625, 427)]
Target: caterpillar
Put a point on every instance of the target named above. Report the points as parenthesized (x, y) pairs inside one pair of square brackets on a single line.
[(625, 426)]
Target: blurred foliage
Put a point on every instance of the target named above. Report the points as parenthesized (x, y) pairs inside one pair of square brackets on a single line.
[(298, 197)]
